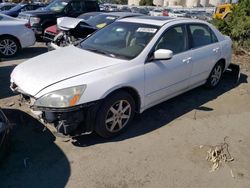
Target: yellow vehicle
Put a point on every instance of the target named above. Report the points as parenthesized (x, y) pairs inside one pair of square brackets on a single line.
[(223, 11)]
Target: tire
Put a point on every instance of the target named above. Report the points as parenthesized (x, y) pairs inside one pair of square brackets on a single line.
[(215, 76), (9, 46), (115, 114)]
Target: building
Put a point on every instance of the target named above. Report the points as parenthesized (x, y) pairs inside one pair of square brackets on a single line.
[(183, 3)]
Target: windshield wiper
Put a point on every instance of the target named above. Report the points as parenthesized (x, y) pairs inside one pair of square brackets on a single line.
[(100, 52)]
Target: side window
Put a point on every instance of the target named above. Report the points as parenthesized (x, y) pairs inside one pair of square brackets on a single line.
[(8, 7), (91, 6), (201, 35), (221, 10), (75, 7), (174, 39), (28, 7)]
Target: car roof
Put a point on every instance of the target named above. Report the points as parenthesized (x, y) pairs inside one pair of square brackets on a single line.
[(122, 14), (156, 20)]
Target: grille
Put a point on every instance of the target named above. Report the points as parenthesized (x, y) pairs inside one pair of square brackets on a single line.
[(49, 36)]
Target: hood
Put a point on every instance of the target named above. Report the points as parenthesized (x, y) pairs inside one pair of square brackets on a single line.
[(42, 71), (68, 22)]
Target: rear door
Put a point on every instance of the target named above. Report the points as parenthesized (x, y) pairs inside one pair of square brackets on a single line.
[(205, 51)]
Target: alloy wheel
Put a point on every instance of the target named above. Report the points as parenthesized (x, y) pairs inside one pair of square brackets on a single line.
[(8, 47), (118, 116), (216, 75)]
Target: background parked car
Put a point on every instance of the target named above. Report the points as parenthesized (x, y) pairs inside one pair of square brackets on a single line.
[(176, 13), (6, 6), (42, 19), (84, 28), (125, 9), (141, 10), (14, 35), (156, 12), (14, 12), (52, 31)]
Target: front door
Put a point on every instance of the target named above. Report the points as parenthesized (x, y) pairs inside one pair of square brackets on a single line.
[(165, 78)]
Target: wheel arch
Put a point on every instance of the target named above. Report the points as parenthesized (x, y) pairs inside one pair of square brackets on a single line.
[(223, 62), (12, 36), (132, 91)]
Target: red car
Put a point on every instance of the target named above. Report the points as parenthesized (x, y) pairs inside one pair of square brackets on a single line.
[(165, 12)]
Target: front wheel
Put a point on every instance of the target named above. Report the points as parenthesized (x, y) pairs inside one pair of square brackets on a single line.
[(215, 76), (115, 114)]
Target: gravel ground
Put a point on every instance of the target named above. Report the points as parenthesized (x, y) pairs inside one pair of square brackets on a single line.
[(160, 149)]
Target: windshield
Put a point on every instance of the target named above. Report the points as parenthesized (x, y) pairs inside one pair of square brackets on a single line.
[(120, 39), (57, 5), (101, 21)]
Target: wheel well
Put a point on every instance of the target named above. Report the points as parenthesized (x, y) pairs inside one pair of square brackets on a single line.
[(223, 61), (133, 93), (7, 35)]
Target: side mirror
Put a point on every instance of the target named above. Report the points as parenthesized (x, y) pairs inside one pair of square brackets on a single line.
[(163, 54)]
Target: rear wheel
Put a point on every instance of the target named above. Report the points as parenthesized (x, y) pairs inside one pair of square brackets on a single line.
[(215, 76), (9, 46), (115, 114)]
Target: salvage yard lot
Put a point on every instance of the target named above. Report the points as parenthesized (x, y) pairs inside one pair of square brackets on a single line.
[(160, 149)]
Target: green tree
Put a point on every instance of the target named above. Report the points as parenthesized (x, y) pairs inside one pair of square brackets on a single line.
[(237, 26), (146, 3)]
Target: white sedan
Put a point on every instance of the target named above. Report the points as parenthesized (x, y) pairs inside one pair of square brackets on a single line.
[(14, 35), (127, 67)]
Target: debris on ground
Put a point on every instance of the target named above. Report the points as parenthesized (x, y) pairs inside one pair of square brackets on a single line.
[(218, 155)]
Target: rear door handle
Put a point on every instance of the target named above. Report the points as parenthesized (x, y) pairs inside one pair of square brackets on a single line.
[(187, 60)]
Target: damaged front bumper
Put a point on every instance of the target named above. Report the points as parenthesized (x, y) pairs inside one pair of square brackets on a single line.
[(70, 121)]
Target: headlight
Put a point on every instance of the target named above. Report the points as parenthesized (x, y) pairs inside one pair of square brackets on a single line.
[(61, 98), (34, 20)]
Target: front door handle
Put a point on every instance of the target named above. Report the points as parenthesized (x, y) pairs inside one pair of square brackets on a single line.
[(187, 60), (216, 49)]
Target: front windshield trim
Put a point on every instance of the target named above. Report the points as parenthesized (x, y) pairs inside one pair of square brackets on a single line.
[(116, 52)]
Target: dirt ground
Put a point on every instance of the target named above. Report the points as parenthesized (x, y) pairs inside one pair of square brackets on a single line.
[(160, 149)]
